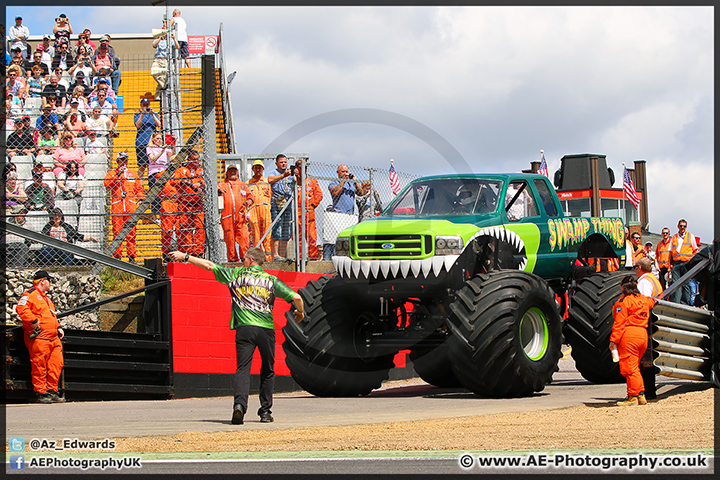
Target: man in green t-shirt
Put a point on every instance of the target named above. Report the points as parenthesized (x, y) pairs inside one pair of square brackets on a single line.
[(253, 293)]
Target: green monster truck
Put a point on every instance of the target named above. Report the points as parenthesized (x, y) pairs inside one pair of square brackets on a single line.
[(470, 273)]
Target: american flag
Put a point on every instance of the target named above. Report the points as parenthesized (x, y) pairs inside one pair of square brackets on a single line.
[(543, 170), (394, 180), (629, 188)]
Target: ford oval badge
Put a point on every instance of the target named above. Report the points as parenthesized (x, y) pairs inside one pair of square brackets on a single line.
[(388, 246)]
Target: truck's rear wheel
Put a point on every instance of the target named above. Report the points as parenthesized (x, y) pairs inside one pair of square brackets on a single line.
[(589, 326), (433, 366), (321, 352), (506, 334)]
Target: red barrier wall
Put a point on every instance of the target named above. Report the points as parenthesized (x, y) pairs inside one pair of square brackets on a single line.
[(202, 339)]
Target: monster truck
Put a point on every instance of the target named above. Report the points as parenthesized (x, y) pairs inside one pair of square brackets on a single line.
[(468, 272)]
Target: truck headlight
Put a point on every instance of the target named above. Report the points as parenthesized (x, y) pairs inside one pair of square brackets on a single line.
[(448, 245), (342, 246)]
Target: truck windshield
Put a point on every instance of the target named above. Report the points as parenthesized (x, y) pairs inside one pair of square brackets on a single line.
[(450, 196)]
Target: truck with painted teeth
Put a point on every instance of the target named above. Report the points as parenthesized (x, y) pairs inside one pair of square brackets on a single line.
[(470, 272)]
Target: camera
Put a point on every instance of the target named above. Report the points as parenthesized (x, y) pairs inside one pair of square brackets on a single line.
[(292, 169), (351, 176)]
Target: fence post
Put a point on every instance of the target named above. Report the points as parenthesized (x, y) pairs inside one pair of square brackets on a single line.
[(209, 156)]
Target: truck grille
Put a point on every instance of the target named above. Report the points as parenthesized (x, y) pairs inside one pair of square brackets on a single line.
[(397, 246)]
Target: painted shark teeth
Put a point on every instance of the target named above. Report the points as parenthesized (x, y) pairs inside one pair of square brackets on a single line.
[(507, 236), (349, 268)]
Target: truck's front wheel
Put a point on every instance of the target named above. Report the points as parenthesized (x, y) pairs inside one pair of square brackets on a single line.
[(506, 334), (321, 351)]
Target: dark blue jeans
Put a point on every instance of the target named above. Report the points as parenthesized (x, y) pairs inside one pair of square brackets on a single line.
[(247, 338)]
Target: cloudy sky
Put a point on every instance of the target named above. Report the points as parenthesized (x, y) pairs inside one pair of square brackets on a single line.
[(440, 89)]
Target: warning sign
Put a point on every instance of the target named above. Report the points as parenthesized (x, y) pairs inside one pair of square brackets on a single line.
[(202, 44)]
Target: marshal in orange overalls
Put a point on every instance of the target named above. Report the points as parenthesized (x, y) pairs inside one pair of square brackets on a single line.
[(168, 213), (191, 185), (313, 196), (234, 217), (631, 314), (260, 218), (126, 191), (46, 357)]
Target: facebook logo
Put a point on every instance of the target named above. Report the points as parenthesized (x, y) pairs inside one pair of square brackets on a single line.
[(17, 444), (17, 462)]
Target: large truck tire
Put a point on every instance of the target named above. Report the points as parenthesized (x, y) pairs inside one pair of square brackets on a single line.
[(434, 367), (505, 334), (321, 352), (589, 326)]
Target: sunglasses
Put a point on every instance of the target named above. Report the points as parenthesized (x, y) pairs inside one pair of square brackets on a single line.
[(682, 226), (636, 238)]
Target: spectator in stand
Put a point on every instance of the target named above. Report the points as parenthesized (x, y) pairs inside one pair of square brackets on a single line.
[(312, 194), (88, 34), (82, 71), (237, 199), (280, 181), (146, 122), (45, 58), (15, 196), (18, 36), (56, 90), (684, 247), (107, 106), (62, 30), (93, 145), (182, 37), (191, 188), (260, 217), (74, 104), (13, 110), (159, 155), (82, 46), (36, 82), (101, 124), (37, 60), (77, 97), (48, 177), (20, 142), (103, 58), (343, 198), (39, 194), (48, 141), (59, 230), (67, 151), (16, 82), (662, 255), (71, 184), (63, 57), (48, 50), (102, 86), (74, 124), (48, 119), (159, 67), (126, 192)]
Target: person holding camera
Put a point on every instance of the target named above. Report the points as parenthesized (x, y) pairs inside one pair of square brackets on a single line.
[(62, 30), (342, 212), (280, 180), (85, 66), (71, 183), (146, 122)]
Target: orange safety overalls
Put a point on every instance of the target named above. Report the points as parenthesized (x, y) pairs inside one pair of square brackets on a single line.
[(190, 185), (46, 358), (234, 220), (260, 218), (313, 196), (168, 213), (126, 191), (631, 314)]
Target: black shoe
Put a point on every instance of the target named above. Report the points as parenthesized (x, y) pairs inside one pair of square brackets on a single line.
[(237, 416), (55, 397), (266, 418), (44, 398)]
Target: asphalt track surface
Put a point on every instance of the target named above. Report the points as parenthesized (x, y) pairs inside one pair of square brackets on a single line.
[(397, 401)]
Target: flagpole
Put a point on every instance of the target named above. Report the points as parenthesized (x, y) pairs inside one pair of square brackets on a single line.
[(623, 197)]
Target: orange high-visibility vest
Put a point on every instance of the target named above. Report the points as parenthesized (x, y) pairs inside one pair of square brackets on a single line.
[(686, 248), (656, 287), (662, 253)]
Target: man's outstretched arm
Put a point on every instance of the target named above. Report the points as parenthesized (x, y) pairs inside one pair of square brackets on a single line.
[(186, 257)]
